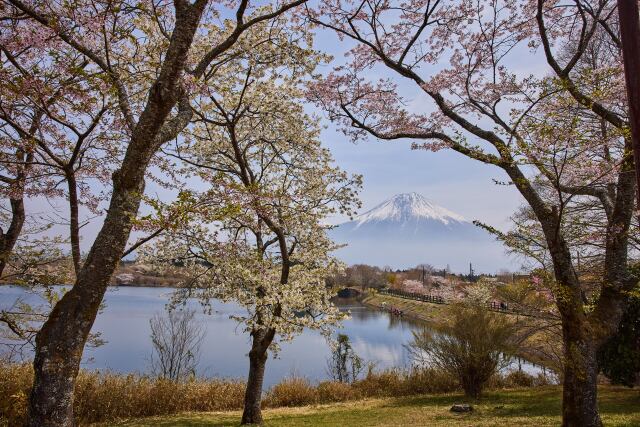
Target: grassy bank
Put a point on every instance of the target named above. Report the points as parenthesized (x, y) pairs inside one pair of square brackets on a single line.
[(524, 407), (419, 310)]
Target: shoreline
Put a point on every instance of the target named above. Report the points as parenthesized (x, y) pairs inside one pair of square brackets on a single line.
[(415, 310), (434, 316)]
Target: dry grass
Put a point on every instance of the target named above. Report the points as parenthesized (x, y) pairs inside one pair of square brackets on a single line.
[(107, 397), (333, 391), (291, 392)]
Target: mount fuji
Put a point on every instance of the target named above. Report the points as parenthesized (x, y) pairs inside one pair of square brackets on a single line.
[(408, 229)]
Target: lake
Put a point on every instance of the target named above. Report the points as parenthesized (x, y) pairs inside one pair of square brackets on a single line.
[(376, 336)]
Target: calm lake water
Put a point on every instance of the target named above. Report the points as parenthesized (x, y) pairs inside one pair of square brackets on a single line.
[(376, 336)]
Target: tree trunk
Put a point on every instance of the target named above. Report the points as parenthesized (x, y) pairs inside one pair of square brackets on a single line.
[(580, 387), (8, 240), (60, 342), (630, 38), (252, 413), (74, 220)]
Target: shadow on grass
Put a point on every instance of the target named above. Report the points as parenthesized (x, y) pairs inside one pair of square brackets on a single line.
[(538, 402), (188, 420), (531, 407), (619, 400), (541, 396)]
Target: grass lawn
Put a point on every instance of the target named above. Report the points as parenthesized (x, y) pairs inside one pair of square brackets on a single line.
[(426, 311), (526, 407), (416, 309)]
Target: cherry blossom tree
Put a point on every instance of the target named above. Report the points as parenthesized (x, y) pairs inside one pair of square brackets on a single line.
[(257, 234), (44, 104), (462, 58), (20, 123), (149, 56), (58, 115)]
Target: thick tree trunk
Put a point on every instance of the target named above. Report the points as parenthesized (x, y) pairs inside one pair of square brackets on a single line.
[(60, 342), (580, 390), (8, 240), (252, 413), (630, 38)]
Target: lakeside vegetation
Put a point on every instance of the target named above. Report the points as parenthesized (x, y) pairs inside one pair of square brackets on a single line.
[(109, 397), (542, 345)]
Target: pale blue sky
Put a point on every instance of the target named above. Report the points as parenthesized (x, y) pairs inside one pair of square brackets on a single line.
[(447, 178), (389, 167)]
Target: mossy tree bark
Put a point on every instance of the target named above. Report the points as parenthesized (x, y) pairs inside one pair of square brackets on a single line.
[(579, 393), (261, 340), (61, 340), (9, 238)]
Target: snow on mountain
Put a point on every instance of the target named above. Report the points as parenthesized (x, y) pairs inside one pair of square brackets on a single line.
[(408, 206), (408, 229)]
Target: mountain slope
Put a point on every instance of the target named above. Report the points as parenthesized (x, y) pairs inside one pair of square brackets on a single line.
[(408, 207), (408, 229)]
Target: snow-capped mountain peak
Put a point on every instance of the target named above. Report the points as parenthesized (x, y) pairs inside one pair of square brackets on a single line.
[(408, 229), (408, 206)]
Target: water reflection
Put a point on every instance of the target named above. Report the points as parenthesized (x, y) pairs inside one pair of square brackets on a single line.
[(376, 336), (124, 323)]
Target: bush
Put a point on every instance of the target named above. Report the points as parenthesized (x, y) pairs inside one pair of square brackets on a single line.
[(398, 382), (335, 391), (473, 347), (379, 384), (344, 365), (176, 337), (15, 383), (519, 379), (430, 381), (291, 392)]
